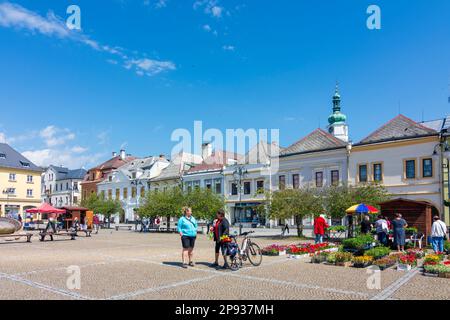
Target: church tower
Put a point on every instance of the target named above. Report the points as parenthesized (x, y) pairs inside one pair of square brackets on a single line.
[(338, 121)]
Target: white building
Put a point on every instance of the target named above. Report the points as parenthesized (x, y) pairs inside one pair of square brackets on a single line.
[(130, 183), (403, 156), (171, 176), (246, 185), (318, 160), (61, 186), (209, 174)]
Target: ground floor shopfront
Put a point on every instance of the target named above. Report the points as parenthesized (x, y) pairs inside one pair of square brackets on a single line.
[(247, 214), (14, 208)]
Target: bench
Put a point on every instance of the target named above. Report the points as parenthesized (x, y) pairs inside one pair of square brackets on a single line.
[(18, 236), (42, 235), (86, 232), (124, 227)]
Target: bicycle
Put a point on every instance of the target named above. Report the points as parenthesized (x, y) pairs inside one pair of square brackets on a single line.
[(248, 251)]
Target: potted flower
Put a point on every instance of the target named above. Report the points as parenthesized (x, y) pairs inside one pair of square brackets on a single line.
[(419, 253), (362, 262), (344, 259), (359, 244), (320, 257), (406, 262), (274, 250), (385, 263), (433, 259), (441, 270)]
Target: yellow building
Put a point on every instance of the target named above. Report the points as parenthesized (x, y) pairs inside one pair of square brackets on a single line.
[(20, 183)]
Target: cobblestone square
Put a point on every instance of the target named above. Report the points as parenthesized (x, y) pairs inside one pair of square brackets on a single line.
[(127, 265)]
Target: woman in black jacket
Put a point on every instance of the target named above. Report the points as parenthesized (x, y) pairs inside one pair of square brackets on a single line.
[(221, 227)]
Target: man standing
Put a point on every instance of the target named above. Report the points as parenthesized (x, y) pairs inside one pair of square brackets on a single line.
[(51, 222), (320, 225), (221, 227), (382, 230), (438, 234)]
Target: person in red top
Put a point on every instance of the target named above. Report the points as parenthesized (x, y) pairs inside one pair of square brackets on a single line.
[(320, 226), (96, 222)]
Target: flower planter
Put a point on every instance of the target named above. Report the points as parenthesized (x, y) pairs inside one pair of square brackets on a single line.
[(404, 267), (445, 275), (385, 267), (282, 253), (362, 266), (346, 264)]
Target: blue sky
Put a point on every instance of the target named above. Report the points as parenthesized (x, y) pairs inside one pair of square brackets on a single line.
[(142, 68)]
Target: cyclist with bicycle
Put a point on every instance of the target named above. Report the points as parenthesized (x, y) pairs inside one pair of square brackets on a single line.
[(221, 227)]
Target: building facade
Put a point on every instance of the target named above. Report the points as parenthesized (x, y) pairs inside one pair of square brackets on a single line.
[(61, 186), (401, 155), (98, 174), (209, 174), (130, 183), (246, 184), (20, 183)]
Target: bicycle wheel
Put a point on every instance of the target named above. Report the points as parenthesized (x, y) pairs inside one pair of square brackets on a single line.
[(254, 254)]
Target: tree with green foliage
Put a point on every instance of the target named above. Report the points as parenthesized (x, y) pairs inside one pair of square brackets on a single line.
[(370, 193), (106, 207), (336, 200), (297, 203), (168, 203), (204, 203)]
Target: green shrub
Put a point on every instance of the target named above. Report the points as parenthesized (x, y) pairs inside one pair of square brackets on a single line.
[(447, 246), (358, 243), (331, 258), (378, 252), (338, 228)]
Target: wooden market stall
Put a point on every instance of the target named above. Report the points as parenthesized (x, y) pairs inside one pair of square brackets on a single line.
[(81, 213), (418, 214)]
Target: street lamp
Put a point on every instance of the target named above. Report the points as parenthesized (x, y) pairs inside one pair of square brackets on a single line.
[(137, 183), (444, 153), (239, 174)]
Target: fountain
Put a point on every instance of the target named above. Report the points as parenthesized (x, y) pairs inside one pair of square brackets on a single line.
[(9, 226)]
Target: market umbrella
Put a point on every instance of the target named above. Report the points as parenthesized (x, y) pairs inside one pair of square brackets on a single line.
[(46, 208), (362, 209)]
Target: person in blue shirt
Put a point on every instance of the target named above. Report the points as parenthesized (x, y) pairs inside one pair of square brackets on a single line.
[(187, 228)]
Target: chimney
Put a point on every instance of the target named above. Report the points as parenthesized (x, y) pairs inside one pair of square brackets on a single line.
[(206, 150), (162, 156), (123, 155), (114, 154)]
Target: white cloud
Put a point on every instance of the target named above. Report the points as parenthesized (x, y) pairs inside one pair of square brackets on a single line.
[(78, 149), (216, 11), (210, 7), (54, 136), (65, 157), (18, 17), (148, 66), (161, 4), (207, 28), (2, 137), (228, 48)]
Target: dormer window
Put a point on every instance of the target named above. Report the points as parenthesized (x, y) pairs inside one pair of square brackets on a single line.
[(2, 156), (25, 164)]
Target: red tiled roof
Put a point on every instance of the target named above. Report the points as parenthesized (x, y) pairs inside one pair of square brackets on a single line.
[(215, 162)]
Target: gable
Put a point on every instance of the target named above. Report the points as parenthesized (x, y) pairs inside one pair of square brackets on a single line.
[(315, 141), (400, 127)]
